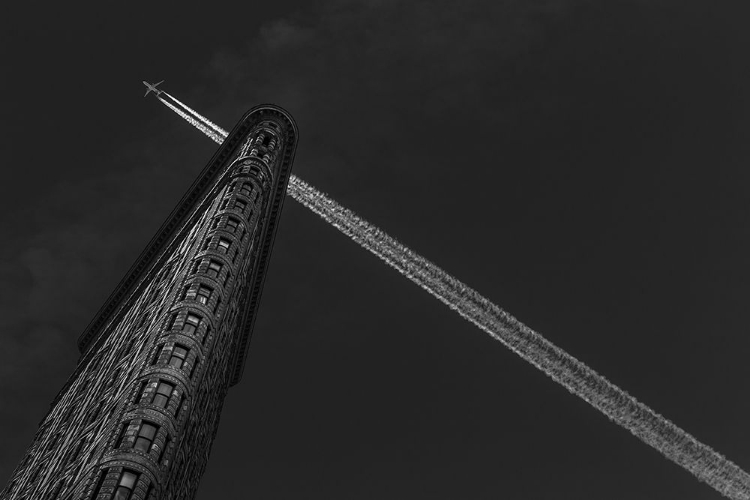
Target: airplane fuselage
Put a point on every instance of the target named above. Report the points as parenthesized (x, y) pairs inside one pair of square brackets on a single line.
[(152, 88)]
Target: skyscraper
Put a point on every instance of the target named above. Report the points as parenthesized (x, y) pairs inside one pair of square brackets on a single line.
[(137, 418)]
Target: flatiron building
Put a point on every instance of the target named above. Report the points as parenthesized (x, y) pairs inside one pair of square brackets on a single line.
[(137, 418)]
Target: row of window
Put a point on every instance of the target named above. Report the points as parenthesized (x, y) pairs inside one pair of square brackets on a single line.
[(243, 188), (193, 322), (202, 293), (222, 245), (213, 269), (261, 176), (266, 139), (232, 225), (238, 204), (177, 357), (144, 442), (144, 438), (164, 394), (267, 157)]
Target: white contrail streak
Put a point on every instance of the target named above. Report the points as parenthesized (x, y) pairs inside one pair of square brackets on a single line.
[(198, 116), (196, 123), (674, 443)]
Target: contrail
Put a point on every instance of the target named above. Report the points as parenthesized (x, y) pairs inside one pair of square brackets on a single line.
[(198, 116), (196, 123), (653, 429)]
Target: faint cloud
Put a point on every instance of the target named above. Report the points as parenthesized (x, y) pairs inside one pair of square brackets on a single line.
[(283, 34)]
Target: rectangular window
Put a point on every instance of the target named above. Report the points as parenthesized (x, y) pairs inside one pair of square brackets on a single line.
[(223, 245), (207, 243), (215, 224), (234, 257), (245, 190), (218, 303), (232, 224), (192, 370), (163, 393), (179, 353), (224, 204), (204, 294), (214, 268), (145, 438), (191, 323), (240, 205), (126, 485), (226, 279)]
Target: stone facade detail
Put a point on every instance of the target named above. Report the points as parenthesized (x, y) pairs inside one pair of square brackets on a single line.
[(137, 418)]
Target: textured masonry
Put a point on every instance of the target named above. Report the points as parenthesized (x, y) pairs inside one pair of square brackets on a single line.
[(137, 418)]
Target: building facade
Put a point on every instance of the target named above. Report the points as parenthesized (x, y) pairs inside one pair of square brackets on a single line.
[(137, 418)]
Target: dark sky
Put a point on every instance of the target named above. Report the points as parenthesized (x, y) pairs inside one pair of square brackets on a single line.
[(583, 164)]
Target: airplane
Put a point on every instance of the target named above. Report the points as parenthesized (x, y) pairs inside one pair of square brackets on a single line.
[(152, 87)]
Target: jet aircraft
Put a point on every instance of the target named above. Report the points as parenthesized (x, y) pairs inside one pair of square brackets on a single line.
[(152, 87)]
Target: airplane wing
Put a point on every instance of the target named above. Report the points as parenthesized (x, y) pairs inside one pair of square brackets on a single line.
[(151, 87)]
